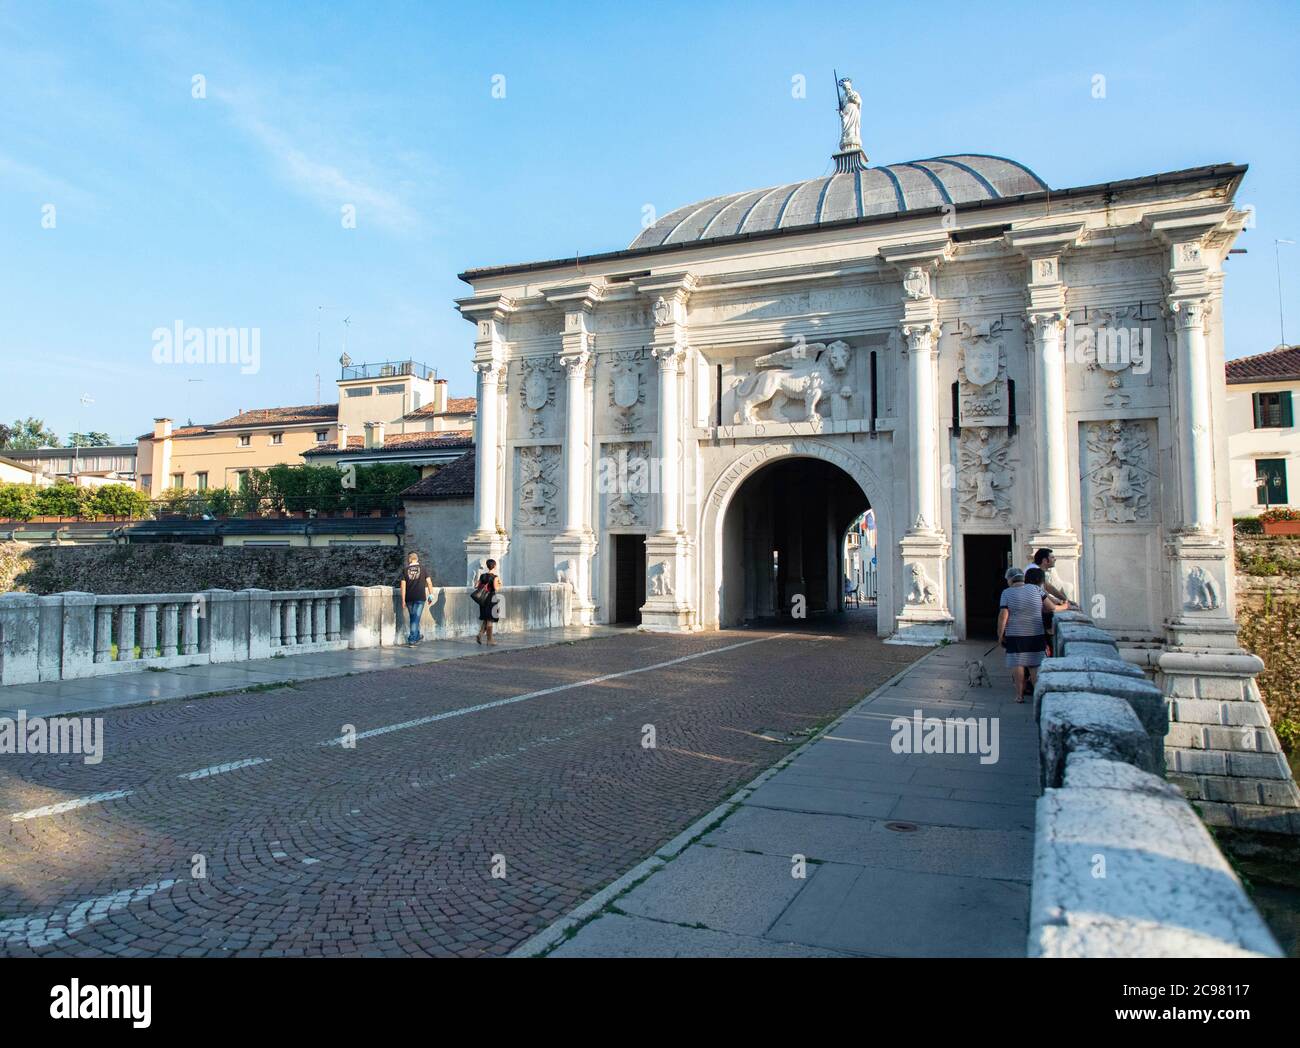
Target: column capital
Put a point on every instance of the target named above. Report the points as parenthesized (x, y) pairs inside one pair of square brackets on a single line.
[(1043, 323), (575, 362), (491, 369), (1190, 313), (921, 335), (670, 356)]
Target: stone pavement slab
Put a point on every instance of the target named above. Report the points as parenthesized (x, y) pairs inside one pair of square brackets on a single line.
[(907, 853)]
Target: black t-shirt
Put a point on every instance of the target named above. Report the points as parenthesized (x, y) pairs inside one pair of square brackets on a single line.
[(417, 582)]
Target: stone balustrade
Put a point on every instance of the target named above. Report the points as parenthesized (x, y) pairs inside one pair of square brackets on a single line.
[(1123, 866), (67, 636)]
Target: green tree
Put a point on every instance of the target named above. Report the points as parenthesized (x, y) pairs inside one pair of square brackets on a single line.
[(17, 501), (26, 434), (65, 500), (302, 488), (120, 500), (95, 439), (221, 501), (378, 486)]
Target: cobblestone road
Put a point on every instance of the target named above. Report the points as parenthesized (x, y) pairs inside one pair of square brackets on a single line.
[(310, 847)]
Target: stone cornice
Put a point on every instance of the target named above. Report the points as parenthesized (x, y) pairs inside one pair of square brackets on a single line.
[(1187, 224), (580, 295), (928, 252), (1044, 241), (492, 306)]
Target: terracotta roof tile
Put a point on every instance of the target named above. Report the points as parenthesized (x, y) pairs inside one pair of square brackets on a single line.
[(455, 406), (282, 416), (405, 442), (455, 480), (1277, 365)]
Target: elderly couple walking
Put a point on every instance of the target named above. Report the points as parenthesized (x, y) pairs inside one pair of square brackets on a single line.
[(414, 585), (1025, 619)]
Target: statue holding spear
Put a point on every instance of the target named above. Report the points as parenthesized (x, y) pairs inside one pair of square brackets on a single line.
[(850, 106)]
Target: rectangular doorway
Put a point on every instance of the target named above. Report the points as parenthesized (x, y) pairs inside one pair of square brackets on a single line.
[(629, 579), (987, 558)]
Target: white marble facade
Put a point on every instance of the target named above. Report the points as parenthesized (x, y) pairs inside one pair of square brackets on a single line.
[(1077, 338)]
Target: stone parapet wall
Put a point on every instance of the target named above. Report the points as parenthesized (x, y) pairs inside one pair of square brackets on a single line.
[(69, 636), (178, 567), (1123, 866)]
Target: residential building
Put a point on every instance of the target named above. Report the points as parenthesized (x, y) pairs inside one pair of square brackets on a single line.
[(90, 467), (404, 399), (1263, 440), (215, 456)]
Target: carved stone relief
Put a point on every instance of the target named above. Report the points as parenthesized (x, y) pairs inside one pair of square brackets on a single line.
[(921, 589), (1202, 590), (535, 486), (537, 391), (1113, 342), (982, 398), (804, 375), (626, 480), (626, 389), (986, 474), (660, 582), (1118, 471)]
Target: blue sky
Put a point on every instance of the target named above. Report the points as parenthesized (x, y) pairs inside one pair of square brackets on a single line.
[(225, 210)]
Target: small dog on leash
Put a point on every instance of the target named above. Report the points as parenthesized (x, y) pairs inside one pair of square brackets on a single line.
[(976, 675)]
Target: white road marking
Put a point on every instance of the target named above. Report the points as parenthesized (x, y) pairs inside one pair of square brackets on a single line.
[(420, 721), (218, 769), (62, 806), (50, 928)]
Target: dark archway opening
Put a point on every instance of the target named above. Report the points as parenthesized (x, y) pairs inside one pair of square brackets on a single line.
[(783, 548)]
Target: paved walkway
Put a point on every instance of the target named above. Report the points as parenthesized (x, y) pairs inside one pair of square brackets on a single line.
[(911, 854), (54, 698)]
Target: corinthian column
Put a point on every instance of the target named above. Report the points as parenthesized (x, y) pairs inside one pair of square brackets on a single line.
[(575, 440), (1049, 422), (670, 364), (485, 447), (922, 465), (1193, 391)]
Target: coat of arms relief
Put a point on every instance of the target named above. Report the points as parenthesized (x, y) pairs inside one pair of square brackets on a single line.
[(982, 397), (1113, 342), (535, 486), (1118, 471), (537, 391), (986, 474), (626, 389)]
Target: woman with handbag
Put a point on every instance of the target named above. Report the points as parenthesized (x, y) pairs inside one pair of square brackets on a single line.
[(485, 595)]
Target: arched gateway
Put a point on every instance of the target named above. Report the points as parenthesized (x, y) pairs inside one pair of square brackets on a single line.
[(995, 366), (772, 529)]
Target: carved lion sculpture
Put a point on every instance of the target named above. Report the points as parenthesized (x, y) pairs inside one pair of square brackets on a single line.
[(806, 373), (922, 589)]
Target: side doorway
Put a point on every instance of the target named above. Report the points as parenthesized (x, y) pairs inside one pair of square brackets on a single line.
[(986, 559), (629, 579)]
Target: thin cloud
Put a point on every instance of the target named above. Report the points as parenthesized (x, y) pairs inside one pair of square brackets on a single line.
[(318, 179)]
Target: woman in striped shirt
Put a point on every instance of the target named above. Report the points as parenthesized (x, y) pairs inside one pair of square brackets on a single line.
[(1020, 629)]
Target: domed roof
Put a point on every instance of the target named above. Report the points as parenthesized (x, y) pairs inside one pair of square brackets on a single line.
[(855, 194)]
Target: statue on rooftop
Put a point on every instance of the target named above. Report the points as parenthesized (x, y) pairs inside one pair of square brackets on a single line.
[(850, 117)]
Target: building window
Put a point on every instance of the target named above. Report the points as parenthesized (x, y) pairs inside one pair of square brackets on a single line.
[(202, 480), (322, 435), (178, 480), (245, 439), (1273, 410), (1270, 482), (277, 438), (386, 390), (361, 391), (146, 482), (242, 474)]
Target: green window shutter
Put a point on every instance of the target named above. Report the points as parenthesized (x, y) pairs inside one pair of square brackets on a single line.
[(1254, 403), (1288, 419)]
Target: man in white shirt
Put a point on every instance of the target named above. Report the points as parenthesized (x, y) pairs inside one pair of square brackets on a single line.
[(1044, 558)]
